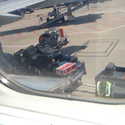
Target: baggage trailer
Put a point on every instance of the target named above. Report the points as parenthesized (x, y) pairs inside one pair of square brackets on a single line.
[(111, 82)]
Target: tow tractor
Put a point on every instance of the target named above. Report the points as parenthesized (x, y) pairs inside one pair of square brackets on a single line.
[(47, 57)]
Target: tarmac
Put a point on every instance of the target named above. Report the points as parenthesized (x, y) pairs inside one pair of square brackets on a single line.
[(102, 28)]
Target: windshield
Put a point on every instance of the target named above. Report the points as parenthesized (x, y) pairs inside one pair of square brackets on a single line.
[(66, 49)]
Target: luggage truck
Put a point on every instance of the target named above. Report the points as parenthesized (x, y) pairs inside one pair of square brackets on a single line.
[(47, 58), (60, 15)]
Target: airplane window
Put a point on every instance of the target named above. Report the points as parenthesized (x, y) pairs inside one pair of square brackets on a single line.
[(70, 49)]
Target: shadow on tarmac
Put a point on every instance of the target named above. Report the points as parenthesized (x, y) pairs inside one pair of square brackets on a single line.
[(76, 21), (73, 49), (83, 19)]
